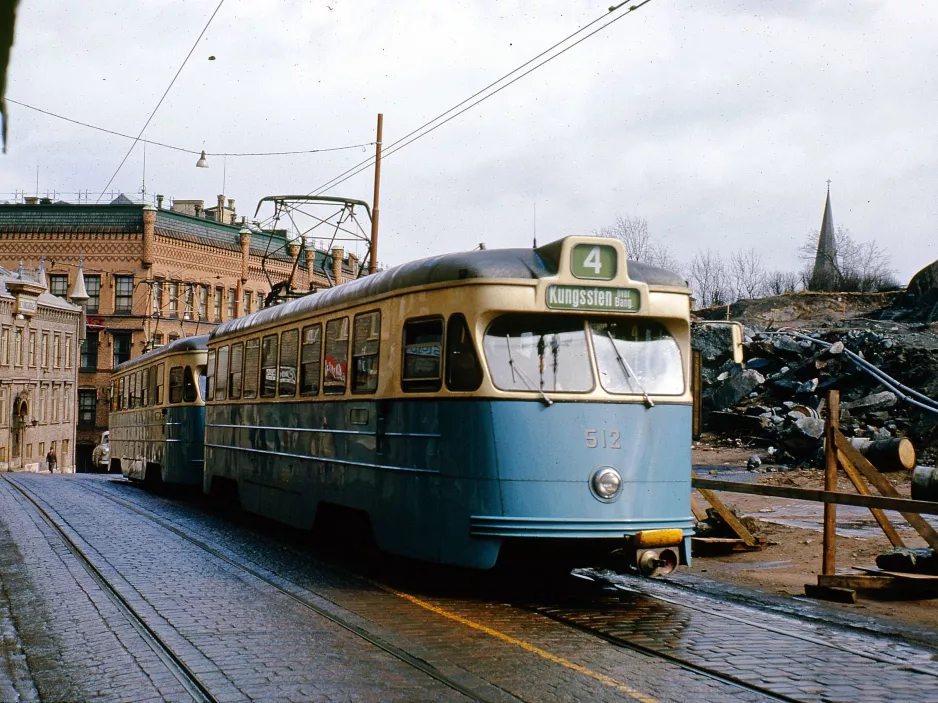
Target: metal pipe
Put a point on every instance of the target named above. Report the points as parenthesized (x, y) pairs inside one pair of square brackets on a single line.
[(888, 381)]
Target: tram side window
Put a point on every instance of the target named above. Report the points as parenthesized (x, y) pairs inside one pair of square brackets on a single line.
[(463, 370), (159, 384), (221, 375), (335, 371), (210, 376), (189, 393), (125, 393), (234, 372), (269, 366), (365, 345), (175, 384), (252, 357), (423, 355), (120, 393), (309, 360), (115, 395), (145, 389), (288, 347), (138, 389)]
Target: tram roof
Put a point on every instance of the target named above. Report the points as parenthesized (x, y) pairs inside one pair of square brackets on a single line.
[(185, 344), (525, 264)]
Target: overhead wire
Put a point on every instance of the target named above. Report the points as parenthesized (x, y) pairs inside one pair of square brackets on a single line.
[(183, 149), (165, 93), (398, 145)]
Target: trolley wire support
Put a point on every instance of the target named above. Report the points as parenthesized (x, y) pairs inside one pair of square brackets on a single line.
[(339, 221)]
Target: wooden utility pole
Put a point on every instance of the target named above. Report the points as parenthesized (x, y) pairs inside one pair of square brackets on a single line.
[(830, 482), (373, 263)]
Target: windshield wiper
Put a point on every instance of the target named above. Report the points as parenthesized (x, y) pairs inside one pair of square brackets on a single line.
[(628, 371), (511, 363)]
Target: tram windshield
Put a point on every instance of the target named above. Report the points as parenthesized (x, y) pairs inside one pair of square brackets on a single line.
[(538, 353), (637, 356), (549, 353)]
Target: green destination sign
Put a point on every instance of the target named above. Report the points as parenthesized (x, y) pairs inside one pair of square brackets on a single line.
[(593, 261), (593, 298)]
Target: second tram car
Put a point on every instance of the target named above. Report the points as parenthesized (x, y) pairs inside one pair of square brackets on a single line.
[(467, 403), (157, 419)]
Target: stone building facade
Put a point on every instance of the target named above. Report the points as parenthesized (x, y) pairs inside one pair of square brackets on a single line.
[(153, 275), (39, 338)]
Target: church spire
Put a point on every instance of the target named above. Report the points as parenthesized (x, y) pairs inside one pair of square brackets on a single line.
[(825, 275)]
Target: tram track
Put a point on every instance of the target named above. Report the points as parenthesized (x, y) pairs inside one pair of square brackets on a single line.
[(586, 618), (578, 617), (70, 537), (303, 596)]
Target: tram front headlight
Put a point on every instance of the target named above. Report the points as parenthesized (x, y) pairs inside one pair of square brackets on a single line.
[(606, 483)]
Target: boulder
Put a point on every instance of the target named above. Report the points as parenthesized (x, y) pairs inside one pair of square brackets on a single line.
[(736, 387)]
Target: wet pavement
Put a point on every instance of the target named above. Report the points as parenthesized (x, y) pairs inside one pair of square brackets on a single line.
[(254, 616)]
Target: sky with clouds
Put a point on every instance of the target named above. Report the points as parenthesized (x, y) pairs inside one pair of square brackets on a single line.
[(719, 122)]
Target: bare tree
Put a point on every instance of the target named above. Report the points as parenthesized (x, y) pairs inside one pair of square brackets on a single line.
[(861, 266), (779, 282), (747, 274), (632, 231), (708, 279)]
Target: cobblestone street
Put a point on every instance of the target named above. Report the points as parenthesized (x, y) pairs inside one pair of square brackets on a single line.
[(204, 608)]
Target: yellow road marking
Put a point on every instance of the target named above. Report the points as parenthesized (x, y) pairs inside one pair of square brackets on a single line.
[(602, 678)]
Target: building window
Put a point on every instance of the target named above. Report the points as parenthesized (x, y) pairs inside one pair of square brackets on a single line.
[(219, 292), (56, 351), (45, 349), (42, 403), (248, 295), (18, 346), (67, 402), (93, 288), (68, 351), (32, 348), (158, 297), (157, 340), (188, 314), (174, 299), (29, 451), (89, 352), (5, 344), (121, 347), (203, 302), (87, 409), (58, 284), (64, 450), (232, 302), (123, 294), (55, 403)]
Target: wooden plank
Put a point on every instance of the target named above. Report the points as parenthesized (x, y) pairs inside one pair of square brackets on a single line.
[(817, 496), (699, 511), (855, 581), (884, 486), (832, 420), (697, 407), (839, 595), (703, 545), (728, 517), (902, 575), (861, 487)]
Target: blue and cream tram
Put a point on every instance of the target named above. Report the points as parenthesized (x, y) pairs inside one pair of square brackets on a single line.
[(157, 419), (469, 402)]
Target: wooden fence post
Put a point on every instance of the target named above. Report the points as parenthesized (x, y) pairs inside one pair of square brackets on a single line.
[(828, 561)]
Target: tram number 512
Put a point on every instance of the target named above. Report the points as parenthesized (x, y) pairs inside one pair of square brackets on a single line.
[(604, 439)]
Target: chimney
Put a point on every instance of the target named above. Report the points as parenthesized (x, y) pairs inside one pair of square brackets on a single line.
[(31, 200), (159, 202), (220, 211), (149, 223), (244, 239), (353, 264), (338, 253)]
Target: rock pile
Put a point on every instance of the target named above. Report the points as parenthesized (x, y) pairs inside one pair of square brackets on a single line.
[(775, 394)]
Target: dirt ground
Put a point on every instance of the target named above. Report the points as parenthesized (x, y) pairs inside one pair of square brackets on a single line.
[(793, 530)]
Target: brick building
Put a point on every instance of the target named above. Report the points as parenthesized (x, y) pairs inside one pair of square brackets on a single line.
[(152, 275), (39, 337)]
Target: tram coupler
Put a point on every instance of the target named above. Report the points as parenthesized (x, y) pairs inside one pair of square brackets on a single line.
[(657, 552)]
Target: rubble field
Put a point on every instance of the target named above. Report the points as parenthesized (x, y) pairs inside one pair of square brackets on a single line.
[(762, 421)]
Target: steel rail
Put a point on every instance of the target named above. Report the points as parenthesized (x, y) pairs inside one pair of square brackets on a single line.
[(186, 677), (259, 574)]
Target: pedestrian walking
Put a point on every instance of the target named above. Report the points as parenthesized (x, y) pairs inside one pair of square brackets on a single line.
[(51, 460)]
